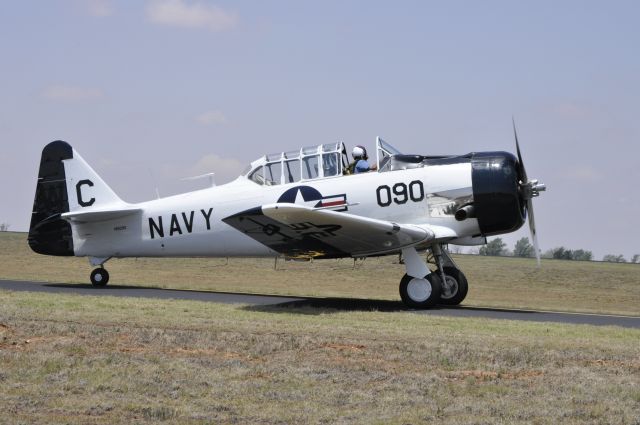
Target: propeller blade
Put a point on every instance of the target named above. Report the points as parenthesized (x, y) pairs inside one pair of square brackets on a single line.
[(532, 229), (523, 172), (528, 190)]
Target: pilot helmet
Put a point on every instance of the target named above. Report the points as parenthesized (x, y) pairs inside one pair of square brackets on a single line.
[(359, 152)]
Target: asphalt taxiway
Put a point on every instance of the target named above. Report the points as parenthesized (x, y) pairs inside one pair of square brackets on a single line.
[(338, 304)]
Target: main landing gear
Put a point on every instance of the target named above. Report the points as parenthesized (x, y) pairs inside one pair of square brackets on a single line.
[(99, 276), (420, 292), (422, 288)]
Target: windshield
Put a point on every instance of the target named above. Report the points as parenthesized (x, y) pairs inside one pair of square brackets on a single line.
[(384, 150)]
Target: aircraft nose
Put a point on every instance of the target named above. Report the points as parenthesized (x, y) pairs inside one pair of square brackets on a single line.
[(497, 200)]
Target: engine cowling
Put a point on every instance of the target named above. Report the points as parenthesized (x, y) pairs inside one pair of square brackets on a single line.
[(498, 204)]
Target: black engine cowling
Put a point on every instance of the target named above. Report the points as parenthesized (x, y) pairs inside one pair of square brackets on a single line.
[(498, 204)]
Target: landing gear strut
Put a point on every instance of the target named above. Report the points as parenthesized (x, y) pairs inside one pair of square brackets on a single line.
[(454, 282), (422, 288), (99, 276), (455, 288)]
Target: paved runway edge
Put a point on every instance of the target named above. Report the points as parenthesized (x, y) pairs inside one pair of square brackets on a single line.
[(345, 304)]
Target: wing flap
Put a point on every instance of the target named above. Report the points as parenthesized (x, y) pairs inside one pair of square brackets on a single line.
[(300, 231)]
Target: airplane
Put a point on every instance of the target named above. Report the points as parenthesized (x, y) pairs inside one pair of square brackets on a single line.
[(299, 204)]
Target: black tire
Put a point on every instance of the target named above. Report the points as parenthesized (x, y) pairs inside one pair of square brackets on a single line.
[(460, 290), (413, 299), (99, 277)]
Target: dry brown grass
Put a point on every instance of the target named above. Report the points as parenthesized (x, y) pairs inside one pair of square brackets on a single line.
[(494, 282), (104, 360)]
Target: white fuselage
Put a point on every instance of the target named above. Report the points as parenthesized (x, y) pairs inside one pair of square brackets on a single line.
[(190, 224)]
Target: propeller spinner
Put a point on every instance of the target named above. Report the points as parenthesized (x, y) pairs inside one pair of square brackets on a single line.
[(529, 189)]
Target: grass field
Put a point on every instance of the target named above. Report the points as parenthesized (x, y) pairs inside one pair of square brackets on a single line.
[(494, 282), (103, 360)]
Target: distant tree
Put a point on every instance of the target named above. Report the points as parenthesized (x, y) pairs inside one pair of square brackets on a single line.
[(494, 248), (523, 248), (636, 258), (4, 227), (614, 258), (582, 255), (561, 253)]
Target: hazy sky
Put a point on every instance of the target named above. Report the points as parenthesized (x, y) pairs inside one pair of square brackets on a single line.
[(150, 92)]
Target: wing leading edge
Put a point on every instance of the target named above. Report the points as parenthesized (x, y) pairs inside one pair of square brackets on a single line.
[(300, 231)]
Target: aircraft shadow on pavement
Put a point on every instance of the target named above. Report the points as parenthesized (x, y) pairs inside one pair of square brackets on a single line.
[(314, 306), (303, 305)]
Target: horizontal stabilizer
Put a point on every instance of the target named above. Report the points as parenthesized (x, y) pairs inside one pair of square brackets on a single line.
[(104, 214)]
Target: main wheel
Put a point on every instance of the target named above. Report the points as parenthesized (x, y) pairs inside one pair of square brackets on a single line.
[(99, 277), (420, 292), (455, 289)]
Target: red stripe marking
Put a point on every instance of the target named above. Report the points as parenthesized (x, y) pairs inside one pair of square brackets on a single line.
[(331, 204)]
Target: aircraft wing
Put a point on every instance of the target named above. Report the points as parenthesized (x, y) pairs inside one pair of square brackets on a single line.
[(300, 231), (101, 214)]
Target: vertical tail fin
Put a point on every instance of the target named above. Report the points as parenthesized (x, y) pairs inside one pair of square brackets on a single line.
[(85, 187), (65, 183)]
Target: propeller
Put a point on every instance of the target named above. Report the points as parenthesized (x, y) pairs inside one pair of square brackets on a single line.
[(529, 189)]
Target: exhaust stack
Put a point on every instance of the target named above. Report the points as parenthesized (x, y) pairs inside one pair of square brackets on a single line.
[(468, 211)]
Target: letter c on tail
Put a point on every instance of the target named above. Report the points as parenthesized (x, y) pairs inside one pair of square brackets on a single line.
[(82, 202)]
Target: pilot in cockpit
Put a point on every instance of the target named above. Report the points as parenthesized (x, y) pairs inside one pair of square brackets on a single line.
[(360, 162)]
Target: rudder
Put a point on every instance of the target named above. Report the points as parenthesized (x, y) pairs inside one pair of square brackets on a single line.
[(48, 233)]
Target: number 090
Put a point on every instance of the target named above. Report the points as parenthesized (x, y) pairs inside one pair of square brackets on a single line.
[(400, 193)]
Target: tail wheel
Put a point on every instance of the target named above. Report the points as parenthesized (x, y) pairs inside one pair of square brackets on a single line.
[(420, 293), (99, 277), (455, 289)]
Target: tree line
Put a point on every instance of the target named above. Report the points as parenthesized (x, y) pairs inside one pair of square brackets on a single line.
[(523, 248)]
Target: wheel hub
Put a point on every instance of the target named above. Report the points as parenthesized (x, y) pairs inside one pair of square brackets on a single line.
[(449, 287), (419, 289)]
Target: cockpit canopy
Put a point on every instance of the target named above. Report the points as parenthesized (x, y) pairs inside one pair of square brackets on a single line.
[(309, 163), (323, 161)]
